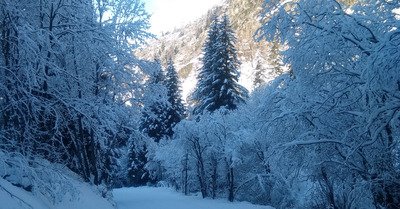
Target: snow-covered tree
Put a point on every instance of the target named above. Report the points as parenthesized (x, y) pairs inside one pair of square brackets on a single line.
[(217, 80), (163, 109), (66, 81), (259, 75), (177, 110), (155, 104), (137, 174), (346, 118), (209, 51)]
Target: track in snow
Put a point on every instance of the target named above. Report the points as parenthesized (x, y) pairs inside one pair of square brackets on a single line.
[(165, 198)]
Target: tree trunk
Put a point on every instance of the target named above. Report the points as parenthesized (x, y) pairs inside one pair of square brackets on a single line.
[(214, 177), (231, 185), (82, 151), (201, 174), (329, 193), (186, 174)]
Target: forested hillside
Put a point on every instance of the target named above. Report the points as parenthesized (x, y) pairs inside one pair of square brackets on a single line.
[(185, 44)]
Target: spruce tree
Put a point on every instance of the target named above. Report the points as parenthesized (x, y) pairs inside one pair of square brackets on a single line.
[(176, 112), (154, 114), (137, 174), (274, 59), (217, 86), (259, 75), (203, 86), (153, 122)]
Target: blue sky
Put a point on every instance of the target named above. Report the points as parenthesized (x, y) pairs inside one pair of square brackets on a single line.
[(168, 14)]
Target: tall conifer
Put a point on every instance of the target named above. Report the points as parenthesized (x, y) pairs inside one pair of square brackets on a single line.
[(153, 122), (217, 86), (176, 112)]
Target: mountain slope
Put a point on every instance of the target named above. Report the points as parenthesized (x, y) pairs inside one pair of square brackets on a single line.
[(184, 45)]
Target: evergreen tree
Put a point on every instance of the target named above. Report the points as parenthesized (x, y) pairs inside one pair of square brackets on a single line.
[(203, 88), (162, 110), (154, 114), (259, 75), (137, 174), (218, 77), (275, 59), (152, 123), (176, 112)]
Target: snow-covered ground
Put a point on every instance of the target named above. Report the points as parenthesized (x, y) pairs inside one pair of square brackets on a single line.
[(12, 197), (165, 198), (48, 186)]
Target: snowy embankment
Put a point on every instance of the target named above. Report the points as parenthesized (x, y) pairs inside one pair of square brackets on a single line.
[(12, 197), (165, 198), (29, 183)]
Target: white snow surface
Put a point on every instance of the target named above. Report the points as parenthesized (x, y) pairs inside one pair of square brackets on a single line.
[(12, 197), (167, 198)]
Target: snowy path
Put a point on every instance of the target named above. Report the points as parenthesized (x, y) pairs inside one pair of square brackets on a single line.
[(164, 198)]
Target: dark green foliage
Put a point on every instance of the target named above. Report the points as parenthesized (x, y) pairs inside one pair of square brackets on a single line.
[(163, 107), (176, 112), (154, 119), (258, 80), (154, 113), (218, 77), (137, 174)]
